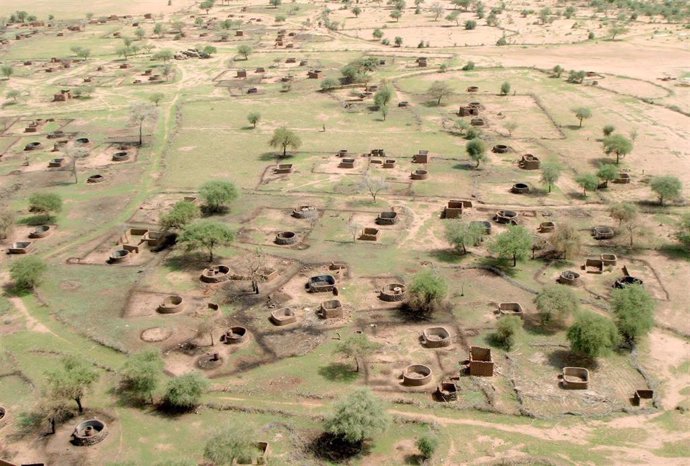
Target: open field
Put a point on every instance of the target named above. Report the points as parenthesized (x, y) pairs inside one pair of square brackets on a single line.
[(74, 77)]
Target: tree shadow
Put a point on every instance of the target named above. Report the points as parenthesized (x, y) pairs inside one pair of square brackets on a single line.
[(335, 449), (598, 162), (503, 265), (36, 220), (464, 166), (338, 372), (573, 127), (675, 251), (10, 289), (414, 459), (449, 256), (561, 358)]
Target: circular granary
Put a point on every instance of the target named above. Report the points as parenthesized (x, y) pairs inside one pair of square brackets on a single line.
[(416, 375), (546, 227), (392, 292), (41, 231), (508, 217), (234, 335), (120, 156), (215, 274), (285, 238), (420, 175), (171, 304), (568, 277), (89, 432), (305, 211), (119, 255), (520, 188)]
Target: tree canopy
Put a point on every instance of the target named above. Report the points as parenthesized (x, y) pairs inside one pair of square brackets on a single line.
[(284, 138), (634, 308), (358, 417), (184, 392), (582, 113), (476, 150), (440, 89), (141, 373), (516, 244), (72, 381), (462, 234), (356, 346), (566, 240), (181, 214), (217, 194), (206, 234), (617, 144), (45, 203), (556, 303), (426, 292), (666, 187), (231, 445), (550, 173), (27, 272), (592, 335)]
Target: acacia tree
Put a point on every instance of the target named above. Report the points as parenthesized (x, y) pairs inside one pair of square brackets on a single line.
[(550, 173), (181, 214), (437, 9), (666, 187), (633, 307), (244, 50), (440, 89), (566, 240), (592, 335), (426, 292), (141, 112), (45, 203), (461, 234), (357, 417), (184, 392), (617, 144), (206, 234), (72, 381), (383, 96), (7, 221), (582, 113), (556, 303), (476, 150), (253, 118), (588, 182), (217, 194), (356, 346), (626, 213), (607, 172), (515, 243), (231, 445), (27, 272), (683, 233), (283, 138), (505, 88), (205, 327), (140, 375), (374, 185)]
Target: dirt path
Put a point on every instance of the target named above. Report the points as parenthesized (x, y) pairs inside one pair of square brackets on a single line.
[(32, 323)]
